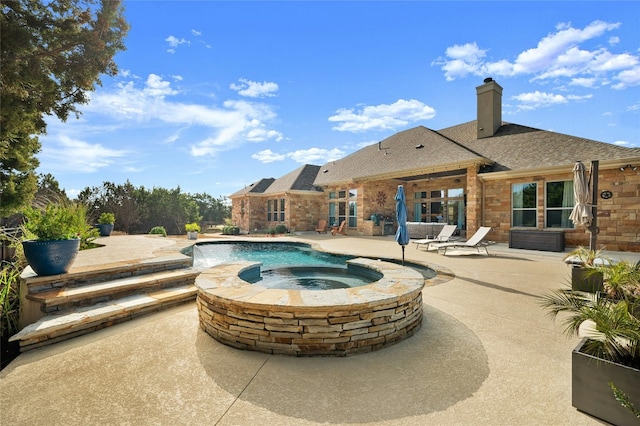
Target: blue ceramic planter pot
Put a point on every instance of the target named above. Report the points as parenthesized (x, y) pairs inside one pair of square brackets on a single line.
[(105, 229), (51, 257)]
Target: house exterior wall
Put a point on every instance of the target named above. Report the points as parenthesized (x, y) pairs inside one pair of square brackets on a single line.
[(302, 211), (618, 217), (487, 203)]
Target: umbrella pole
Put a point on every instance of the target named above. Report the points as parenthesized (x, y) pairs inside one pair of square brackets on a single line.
[(402, 255), (593, 228)]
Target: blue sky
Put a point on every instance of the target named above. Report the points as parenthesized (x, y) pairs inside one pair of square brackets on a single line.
[(213, 96)]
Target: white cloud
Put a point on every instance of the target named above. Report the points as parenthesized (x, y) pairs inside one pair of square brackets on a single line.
[(254, 89), (268, 156), (534, 100), (316, 155), (65, 153), (174, 42), (622, 143), (558, 55), (382, 117), (583, 82), (157, 87), (196, 33), (627, 78), (226, 126), (303, 156)]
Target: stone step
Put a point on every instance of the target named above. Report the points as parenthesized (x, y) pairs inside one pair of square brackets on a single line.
[(85, 275), (64, 325), (67, 297)]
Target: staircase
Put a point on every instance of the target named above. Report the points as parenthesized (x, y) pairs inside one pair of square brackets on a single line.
[(61, 307)]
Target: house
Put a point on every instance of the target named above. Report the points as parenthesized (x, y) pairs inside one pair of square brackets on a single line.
[(484, 172)]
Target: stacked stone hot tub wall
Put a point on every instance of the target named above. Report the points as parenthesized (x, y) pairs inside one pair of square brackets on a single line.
[(337, 322)]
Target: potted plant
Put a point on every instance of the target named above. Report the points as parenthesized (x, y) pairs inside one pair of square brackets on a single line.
[(53, 237), (585, 276), (606, 362), (105, 225), (192, 230)]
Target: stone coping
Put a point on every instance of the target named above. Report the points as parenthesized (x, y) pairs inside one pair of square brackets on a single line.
[(337, 322), (224, 281)]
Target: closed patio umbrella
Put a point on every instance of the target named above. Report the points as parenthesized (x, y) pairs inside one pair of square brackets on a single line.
[(402, 235), (582, 211)]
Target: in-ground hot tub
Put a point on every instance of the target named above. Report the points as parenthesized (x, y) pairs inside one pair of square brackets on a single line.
[(336, 322)]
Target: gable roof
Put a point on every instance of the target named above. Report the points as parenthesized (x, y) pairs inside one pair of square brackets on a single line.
[(517, 147), (417, 150), (257, 187), (301, 179)]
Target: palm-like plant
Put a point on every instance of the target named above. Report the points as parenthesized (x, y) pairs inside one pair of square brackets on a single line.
[(609, 320)]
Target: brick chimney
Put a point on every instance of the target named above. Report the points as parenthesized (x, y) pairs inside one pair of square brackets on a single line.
[(489, 108)]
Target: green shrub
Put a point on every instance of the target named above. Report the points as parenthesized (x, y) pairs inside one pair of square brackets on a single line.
[(9, 299), (231, 230), (281, 229), (59, 222), (192, 227), (158, 230), (107, 219)]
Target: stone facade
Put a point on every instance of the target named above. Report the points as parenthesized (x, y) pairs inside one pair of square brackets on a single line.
[(618, 216), (339, 322)]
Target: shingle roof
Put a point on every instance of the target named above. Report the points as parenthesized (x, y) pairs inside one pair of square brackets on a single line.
[(411, 150), (421, 150), (301, 179), (257, 187), (516, 147)]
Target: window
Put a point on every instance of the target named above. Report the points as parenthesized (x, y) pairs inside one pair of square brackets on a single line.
[(560, 201), (275, 209), (332, 214), (282, 210), (455, 208), (353, 208), (524, 203), (342, 212)]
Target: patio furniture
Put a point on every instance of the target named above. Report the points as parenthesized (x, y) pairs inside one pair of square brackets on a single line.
[(476, 241), (322, 227), (445, 235), (339, 229)]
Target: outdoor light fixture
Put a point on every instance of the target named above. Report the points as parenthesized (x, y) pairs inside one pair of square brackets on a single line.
[(629, 166)]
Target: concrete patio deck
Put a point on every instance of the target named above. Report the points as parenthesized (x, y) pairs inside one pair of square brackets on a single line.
[(485, 355)]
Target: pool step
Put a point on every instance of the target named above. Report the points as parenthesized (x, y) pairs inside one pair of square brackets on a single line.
[(71, 323), (64, 306), (63, 298)]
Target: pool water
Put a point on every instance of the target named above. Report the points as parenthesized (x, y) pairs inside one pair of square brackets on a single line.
[(290, 265), (272, 255), (314, 278)]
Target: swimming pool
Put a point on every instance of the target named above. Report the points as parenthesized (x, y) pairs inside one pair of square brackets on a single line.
[(280, 255), (271, 255)]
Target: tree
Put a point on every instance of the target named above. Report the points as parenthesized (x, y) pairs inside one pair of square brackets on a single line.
[(52, 54)]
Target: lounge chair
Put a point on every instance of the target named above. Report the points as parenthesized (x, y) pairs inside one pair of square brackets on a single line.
[(445, 235), (476, 241), (339, 229), (322, 227)]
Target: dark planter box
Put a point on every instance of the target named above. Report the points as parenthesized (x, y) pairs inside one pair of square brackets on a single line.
[(590, 391), (584, 279), (536, 240)]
